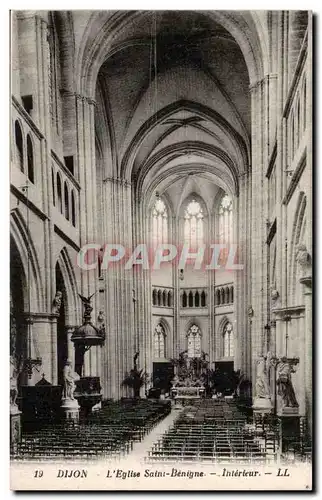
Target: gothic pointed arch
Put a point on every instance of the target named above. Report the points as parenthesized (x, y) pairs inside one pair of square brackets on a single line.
[(100, 35), (161, 336), (205, 113), (298, 236), (226, 335), (194, 340), (30, 262), (72, 303)]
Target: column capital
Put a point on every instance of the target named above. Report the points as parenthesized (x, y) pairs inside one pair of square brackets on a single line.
[(39, 317), (121, 182), (307, 282), (265, 79), (86, 99)]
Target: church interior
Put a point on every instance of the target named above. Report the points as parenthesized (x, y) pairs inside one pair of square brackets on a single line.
[(137, 129)]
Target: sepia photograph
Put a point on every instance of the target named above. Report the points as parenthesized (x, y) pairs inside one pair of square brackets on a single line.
[(161, 244)]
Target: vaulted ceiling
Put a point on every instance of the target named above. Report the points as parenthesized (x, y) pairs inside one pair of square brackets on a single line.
[(174, 94)]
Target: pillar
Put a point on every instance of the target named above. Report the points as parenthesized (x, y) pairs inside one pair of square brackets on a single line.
[(257, 281), (121, 334)]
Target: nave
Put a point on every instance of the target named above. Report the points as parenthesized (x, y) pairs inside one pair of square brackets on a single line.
[(148, 431)]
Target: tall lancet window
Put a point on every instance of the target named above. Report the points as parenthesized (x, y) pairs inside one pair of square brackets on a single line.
[(193, 224), (159, 223), (159, 342), (194, 342), (228, 340), (225, 220)]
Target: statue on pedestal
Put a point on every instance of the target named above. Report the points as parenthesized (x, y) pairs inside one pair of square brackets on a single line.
[(303, 257), (70, 377), (262, 402), (262, 389), (285, 389), (57, 302)]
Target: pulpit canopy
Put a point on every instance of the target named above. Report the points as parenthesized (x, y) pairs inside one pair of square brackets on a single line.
[(88, 335)]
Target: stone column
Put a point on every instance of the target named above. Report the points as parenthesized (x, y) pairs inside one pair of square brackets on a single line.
[(258, 102), (70, 345), (241, 215), (85, 168), (177, 283), (120, 331), (211, 294), (308, 356), (142, 280), (307, 280)]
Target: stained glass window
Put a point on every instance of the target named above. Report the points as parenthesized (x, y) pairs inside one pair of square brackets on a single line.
[(159, 342), (193, 224), (228, 340), (194, 342), (159, 223), (225, 220)]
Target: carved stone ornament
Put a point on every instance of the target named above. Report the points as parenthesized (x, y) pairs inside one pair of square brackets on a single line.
[(303, 257), (57, 302), (70, 377), (285, 389)]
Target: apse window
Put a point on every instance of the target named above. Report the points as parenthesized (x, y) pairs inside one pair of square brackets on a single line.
[(194, 342), (228, 340), (225, 219), (159, 223), (159, 342), (193, 224)]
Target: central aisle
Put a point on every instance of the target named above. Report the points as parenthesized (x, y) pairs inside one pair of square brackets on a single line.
[(141, 449)]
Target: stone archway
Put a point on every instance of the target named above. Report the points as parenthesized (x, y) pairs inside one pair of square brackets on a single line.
[(18, 332), (62, 339)]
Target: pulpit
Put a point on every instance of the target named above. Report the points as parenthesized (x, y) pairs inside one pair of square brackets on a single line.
[(87, 388)]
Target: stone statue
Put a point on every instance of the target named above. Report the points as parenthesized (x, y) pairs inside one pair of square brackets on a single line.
[(262, 389), (87, 306), (57, 302), (274, 294), (135, 362), (302, 256), (100, 321), (69, 381), (285, 389), (15, 370)]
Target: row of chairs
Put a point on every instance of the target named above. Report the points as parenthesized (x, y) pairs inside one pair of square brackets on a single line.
[(213, 431), (111, 432)]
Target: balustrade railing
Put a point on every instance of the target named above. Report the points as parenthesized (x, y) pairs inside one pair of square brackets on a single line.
[(224, 295), (65, 190), (296, 107), (162, 296), (193, 297), (26, 143)]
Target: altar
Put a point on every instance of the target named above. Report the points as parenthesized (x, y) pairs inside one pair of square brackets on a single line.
[(188, 383)]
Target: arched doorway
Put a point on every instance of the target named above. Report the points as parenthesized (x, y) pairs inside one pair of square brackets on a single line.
[(18, 337), (62, 346)]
